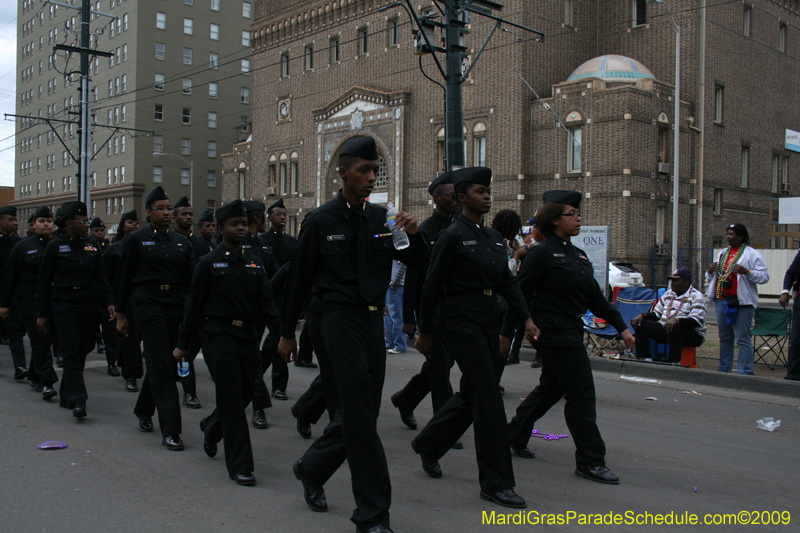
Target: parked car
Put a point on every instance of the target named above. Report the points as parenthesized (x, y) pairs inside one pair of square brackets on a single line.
[(621, 274)]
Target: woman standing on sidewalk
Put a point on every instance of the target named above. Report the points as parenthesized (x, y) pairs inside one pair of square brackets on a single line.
[(732, 281)]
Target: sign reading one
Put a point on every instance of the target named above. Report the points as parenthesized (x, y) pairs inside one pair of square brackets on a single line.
[(594, 241), (793, 140)]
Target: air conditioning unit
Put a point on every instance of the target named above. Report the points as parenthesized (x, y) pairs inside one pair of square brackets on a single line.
[(663, 168), (270, 191), (786, 188)]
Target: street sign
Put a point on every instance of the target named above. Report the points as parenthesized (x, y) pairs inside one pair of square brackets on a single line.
[(594, 241)]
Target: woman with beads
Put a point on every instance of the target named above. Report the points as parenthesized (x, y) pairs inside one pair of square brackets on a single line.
[(732, 286)]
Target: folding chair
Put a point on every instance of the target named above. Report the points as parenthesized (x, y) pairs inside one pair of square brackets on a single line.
[(772, 327), (630, 302)]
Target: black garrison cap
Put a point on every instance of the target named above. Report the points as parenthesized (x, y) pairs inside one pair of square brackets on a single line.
[(252, 206), (276, 205), (73, 209), (43, 212), (8, 210), (446, 177), (572, 198), (362, 146), (156, 195), (234, 209), (207, 216), (479, 175), (130, 215), (183, 202), (97, 223)]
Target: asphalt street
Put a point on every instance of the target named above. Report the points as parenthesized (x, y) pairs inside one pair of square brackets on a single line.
[(696, 452)]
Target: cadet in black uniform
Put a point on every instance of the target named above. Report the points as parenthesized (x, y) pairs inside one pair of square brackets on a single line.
[(434, 377), (19, 287), (13, 323), (72, 279), (469, 261), (345, 252), (30, 230), (228, 304), (108, 339), (130, 362), (155, 272), (559, 278), (256, 223), (206, 227)]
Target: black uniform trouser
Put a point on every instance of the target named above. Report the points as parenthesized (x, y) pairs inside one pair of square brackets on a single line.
[(679, 337), (261, 399), (519, 336), (77, 326), (433, 377), (16, 331), (793, 366), (41, 369), (189, 383), (476, 350), (108, 330), (305, 350), (159, 328), (566, 373), (352, 360), (311, 404), (131, 363), (271, 357), (233, 363)]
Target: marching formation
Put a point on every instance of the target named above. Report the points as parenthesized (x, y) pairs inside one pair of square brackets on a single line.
[(237, 289)]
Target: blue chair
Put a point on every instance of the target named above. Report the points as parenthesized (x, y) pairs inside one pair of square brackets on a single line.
[(630, 302)]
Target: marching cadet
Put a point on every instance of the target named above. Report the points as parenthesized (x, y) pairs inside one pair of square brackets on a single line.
[(469, 262), (257, 222), (108, 341), (206, 227), (155, 272), (13, 324), (19, 287), (281, 244), (30, 230), (71, 280), (345, 252), (130, 361), (228, 304)]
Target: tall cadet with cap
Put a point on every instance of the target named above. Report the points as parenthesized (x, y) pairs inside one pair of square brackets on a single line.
[(130, 361), (19, 287), (228, 305), (560, 280), (13, 324), (71, 280), (155, 272), (469, 262), (345, 252)]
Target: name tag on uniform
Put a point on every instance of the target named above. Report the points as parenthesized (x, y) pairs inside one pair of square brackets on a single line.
[(179, 243), (34, 251), (267, 248), (148, 243), (220, 265), (335, 237), (470, 243), (246, 246), (64, 248), (559, 255)]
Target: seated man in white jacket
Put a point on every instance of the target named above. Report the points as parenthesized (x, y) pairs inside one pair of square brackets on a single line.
[(732, 281)]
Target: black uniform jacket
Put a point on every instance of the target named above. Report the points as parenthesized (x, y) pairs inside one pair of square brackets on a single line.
[(430, 229), (200, 245), (262, 250), (282, 245), (560, 280), (6, 244), (22, 274), (469, 259), (326, 258), (72, 270), (230, 291)]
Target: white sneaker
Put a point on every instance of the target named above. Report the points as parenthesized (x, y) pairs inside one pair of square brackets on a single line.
[(393, 351)]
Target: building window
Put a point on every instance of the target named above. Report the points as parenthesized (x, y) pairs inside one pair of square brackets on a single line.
[(284, 170), (186, 116), (125, 22), (245, 66), (122, 144), (719, 95), (245, 38), (246, 9), (309, 57), (285, 65), (212, 119), (717, 201), (159, 84), (242, 184), (747, 19), (187, 56), (745, 171), (213, 60), (639, 8), (212, 148), (362, 41), (334, 47), (188, 26), (479, 145), (158, 143), (161, 21), (214, 5), (186, 176), (215, 32), (158, 174), (782, 28), (245, 95), (394, 32), (186, 146), (212, 90), (158, 112), (211, 178), (293, 173), (568, 11), (124, 52), (662, 144), (661, 217), (124, 82), (187, 86), (776, 164), (574, 150), (161, 51)]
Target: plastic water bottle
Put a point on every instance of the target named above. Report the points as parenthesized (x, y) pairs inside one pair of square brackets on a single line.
[(398, 235), (183, 368)]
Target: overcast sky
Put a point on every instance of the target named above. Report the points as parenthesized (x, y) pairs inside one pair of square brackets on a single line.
[(8, 87)]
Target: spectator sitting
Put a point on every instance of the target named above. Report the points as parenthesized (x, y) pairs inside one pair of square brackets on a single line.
[(678, 319)]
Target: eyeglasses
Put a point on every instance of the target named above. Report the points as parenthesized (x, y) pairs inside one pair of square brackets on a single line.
[(575, 214), (84, 222), (161, 209)]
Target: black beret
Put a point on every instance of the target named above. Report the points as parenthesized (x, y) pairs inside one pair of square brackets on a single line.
[(43, 212), (31, 219), (97, 223), (130, 215), (183, 202), (252, 206), (445, 177), (8, 210), (234, 209), (156, 195), (479, 175), (207, 216), (571, 198), (277, 204), (73, 209), (363, 147)]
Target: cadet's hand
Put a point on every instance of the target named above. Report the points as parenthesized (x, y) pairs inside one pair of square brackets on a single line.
[(111, 313), (410, 330), (406, 222), (712, 268), (520, 253), (122, 324), (637, 320), (670, 324), (531, 331), (630, 342), (179, 354), (741, 270), (287, 348), (41, 323), (505, 344), (423, 344), (5, 310), (783, 300)]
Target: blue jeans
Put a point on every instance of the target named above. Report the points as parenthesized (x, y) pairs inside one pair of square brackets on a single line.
[(740, 331), (393, 320)]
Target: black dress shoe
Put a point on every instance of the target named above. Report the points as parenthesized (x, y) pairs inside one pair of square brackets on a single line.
[(260, 419), (537, 361), (36, 385), (191, 401), (313, 494), (406, 416), (113, 370), (59, 361), (79, 411), (429, 465), (502, 391), (305, 364), (457, 446), (172, 442), (513, 358), (145, 424), (20, 373), (504, 497), (209, 447), (600, 474), (303, 428), (376, 529), (131, 385), (522, 451), (3, 341), (101, 347), (280, 395), (48, 392), (248, 480)]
